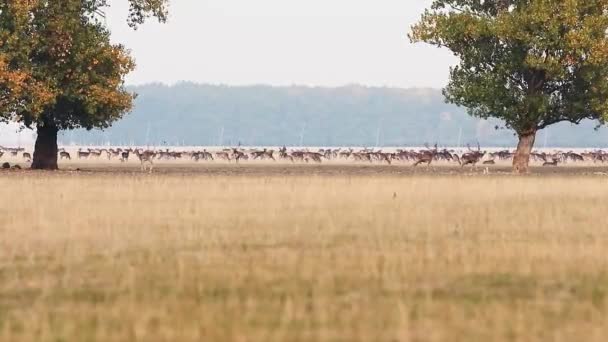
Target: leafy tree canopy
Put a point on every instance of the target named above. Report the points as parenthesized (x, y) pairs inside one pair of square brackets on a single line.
[(531, 63), (58, 49), (140, 10)]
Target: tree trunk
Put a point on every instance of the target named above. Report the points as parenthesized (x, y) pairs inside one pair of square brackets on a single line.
[(521, 159), (45, 152)]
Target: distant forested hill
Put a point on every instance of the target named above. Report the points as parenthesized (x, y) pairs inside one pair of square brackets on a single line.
[(193, 114)]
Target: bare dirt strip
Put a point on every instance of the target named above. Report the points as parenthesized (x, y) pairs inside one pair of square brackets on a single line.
[(328, 169)]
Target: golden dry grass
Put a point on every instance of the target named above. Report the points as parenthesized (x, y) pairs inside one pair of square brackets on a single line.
[(168, 258)]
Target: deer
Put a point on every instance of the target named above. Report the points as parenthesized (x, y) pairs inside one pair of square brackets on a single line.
[(383, 157), (164, 155), (146, 157), (297, 156), (345, 154), (362, 156), (83, 155), (114, 153), (63, 154), (238, 155), (196, 156), (263, 154), (330, 154), (575, 157), (169, 155), (314, 156), (223, 155), (472, 157), (284, 155), (445, 155), (553, 162), (426, 156), (124, 156), (403, 155), (95, 153), (107, 152), (206, 155)]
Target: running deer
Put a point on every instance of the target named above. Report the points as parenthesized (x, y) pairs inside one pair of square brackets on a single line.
[(145, 158), (472, 157), (265, 153), (238, 155), (206, 155), (223, 155), (553, 162), (284, 155), (427, 156), (314, 156), (345, 154), (297, 156)]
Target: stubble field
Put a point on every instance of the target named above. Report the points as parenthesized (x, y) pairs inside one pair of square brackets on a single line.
[(301, 256)]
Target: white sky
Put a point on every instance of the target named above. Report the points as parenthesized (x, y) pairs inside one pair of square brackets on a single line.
[(284, 42)]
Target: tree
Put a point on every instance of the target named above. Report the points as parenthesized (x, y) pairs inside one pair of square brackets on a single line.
[(59, 70), (531, 63), (140, 10)]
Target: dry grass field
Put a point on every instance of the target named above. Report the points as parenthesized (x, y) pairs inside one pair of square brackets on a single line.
[(339, 257)]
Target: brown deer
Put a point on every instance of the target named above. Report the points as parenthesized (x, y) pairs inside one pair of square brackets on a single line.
[(124, 156), (284, 155), (553, 162), (223, 155), (263, 154), (297, 156), (95, 153), (383, 157), (145, 158), (426, 156), (206, 155), (314, 156), (15, 151), (83, 154), (63, 154), (362, 156), (112, 153), (238, 155), (472, 157), (346, 154)]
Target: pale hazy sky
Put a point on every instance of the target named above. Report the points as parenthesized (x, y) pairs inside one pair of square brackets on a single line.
[(284, 42)]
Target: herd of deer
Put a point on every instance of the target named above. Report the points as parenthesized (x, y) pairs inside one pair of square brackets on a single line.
[(426, 156), (16, 153)]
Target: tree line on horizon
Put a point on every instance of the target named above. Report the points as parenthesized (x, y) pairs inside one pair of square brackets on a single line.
[(193, 114)]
